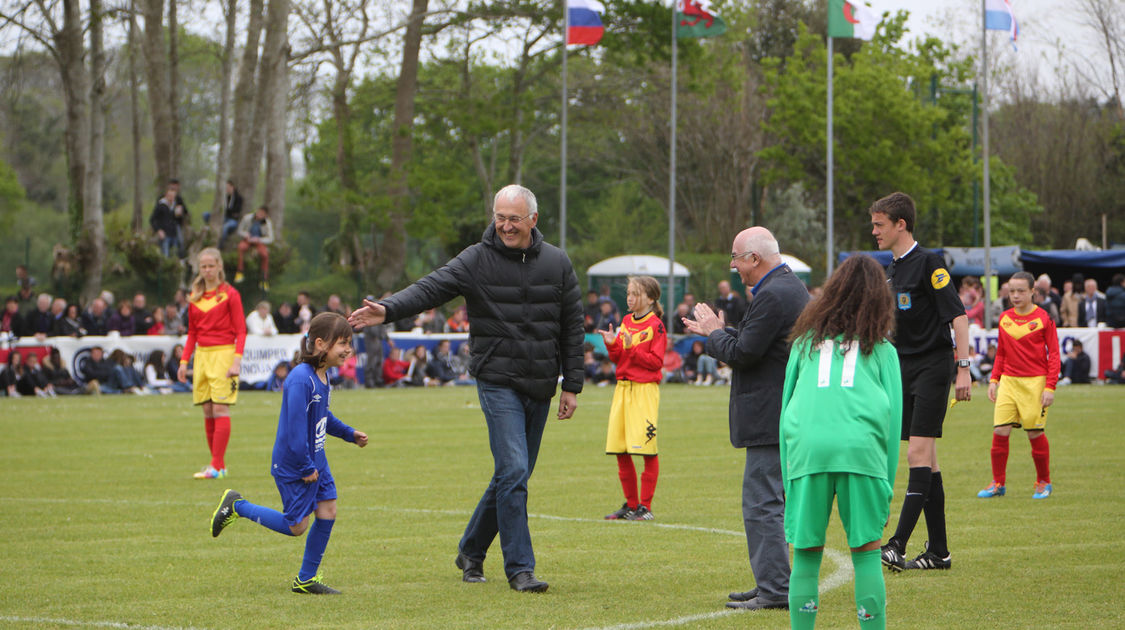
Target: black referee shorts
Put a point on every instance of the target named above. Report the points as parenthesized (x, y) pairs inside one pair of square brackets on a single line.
[(925, 392)]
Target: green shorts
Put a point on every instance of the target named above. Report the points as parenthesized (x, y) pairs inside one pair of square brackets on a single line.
[(864, 504)]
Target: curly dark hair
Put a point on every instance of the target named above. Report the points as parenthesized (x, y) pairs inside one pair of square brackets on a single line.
[(856, 303)]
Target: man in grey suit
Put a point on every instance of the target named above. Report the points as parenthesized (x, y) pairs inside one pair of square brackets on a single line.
[(757, 352)]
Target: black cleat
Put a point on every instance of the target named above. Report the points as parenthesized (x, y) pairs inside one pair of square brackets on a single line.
[(930, 560), (641, 514), (620, 515), (224, 514), (313, 586), (892, 557), (471, 570), (525, 582)]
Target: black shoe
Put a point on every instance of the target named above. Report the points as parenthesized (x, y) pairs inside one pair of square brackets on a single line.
[(892, 558), (930, 560), (312, 586), (224, 514), (641, 514), (743, 596), (758, 604), (620, 515), (471, 570), (526, 583)]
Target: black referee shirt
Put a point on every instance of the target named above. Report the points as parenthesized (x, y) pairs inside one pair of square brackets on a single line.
[(925, 300)]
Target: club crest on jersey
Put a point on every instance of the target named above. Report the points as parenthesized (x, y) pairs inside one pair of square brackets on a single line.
[(1033, 325), (903, 300), (939, 278)]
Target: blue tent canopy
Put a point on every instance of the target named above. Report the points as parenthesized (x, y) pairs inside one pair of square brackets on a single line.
[(1113, 259)]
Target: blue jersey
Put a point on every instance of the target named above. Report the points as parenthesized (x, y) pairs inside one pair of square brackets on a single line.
[(304, 424)]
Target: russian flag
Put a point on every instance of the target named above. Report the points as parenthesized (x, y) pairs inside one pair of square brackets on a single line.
[(998, 16), (584, 22)]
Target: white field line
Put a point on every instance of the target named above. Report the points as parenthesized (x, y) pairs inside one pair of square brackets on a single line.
[(87, 624)]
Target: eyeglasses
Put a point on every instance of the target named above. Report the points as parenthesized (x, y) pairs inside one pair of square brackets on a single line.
[(735, 257), (499, 219)]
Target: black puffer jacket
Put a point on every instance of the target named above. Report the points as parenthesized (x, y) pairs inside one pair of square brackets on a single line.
[(524, 312)]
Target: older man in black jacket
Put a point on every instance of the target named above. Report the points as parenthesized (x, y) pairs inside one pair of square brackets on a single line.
[(523, 300), (757, 352)]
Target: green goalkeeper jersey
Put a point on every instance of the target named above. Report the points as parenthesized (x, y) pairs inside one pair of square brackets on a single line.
[(841, 411)]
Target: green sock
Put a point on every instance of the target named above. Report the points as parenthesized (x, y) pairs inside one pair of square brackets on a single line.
[(803, 581), (870, 592)]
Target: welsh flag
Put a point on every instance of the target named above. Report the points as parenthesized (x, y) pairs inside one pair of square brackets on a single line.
[(694, 19), (850, 19)]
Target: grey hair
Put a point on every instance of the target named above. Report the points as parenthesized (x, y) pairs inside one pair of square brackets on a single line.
[(513, 192), (762, 243)]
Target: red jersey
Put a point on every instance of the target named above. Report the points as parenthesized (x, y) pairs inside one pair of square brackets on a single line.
[(1028, 346), (642, 361), (216, 319)]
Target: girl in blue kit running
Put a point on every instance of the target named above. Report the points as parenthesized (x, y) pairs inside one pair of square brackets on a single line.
[(300, 467)]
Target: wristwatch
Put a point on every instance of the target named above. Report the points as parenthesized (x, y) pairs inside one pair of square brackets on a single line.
[(964, 363)]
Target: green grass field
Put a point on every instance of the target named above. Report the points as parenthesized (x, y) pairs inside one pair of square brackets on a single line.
[(104, 526)]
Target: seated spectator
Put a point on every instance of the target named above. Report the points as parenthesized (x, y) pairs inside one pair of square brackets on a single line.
[(1117, 374), (256, 231), (1115, 302), (173, 323), (345, 374), (11, 324), (606, 374), (460, 362), (157, 326), (70, 324), (122, 320), (285, 320), (232, 213), (276, 382), (142, 319), (126, 379), (589, 363), (173, 366), (691, 362), (394, 368), (57, 374), (94, 318), (678, 319), (334, 305), (986, 362), (458, 322), (723, 373), (97, 372), (416, 373), (1076, 366), (591, 311), (38, 322), (430, 321), (607, 317), (439, 371), (260, 322), (35, 379), (157, 378), (164, 224), (673, 365), (305, 311), (13, 374)]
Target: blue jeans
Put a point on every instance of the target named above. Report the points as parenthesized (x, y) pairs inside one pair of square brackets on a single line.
[(171, 245), (515, 429), (229, 226)]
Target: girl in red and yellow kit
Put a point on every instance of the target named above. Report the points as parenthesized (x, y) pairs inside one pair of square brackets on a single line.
[(638, 351), (1023, 384), (217, 334)]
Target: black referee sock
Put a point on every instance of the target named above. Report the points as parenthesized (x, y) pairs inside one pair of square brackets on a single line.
[(935, 516), (917, 489)]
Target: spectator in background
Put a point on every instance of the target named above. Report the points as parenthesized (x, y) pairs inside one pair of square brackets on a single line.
[(334, 305), (605, 296), (440, 370), (97, 371), (458, 322), (606, 374), (1068, 304), (172, 324), (430, 321), (156, 373), (416, 373), (607, 317), (461, 361), (157, 327), (972, 299), (1091, 311), (986, 361), (180, 215), (173, 365), (11, 377), (142, 319), (276, 382), (122, 320), (125, 376), (1115, 302), (58, 307), (57, 374), (70, 324), (181, 302), (682, 312), (673, 365), (25, 295), (232, 213), (164, 224), (1044, 282), (1000, 304), (305, 311), (35, 379), (286, 320), (1076, 366), (260, 322), (591, 311), (589, 362), (256, 231), (11, 322), (373, 339), (1042, 299), (394, 369), (1117, 374), (94, 319), (40, 320), (730, 304)]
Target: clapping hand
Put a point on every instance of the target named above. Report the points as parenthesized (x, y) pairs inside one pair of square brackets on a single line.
[(370, 314)]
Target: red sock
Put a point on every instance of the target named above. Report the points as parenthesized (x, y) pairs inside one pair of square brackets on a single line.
[(219, 446), (999, 457), (628, 475), (1041, 455), (648, 480), (209, 427)]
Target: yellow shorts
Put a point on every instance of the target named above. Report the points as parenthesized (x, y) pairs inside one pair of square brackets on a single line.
[(1019, 402), (632, 419), (210, 382)]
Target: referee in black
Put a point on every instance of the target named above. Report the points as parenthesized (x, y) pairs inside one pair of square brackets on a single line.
[(927, 304)]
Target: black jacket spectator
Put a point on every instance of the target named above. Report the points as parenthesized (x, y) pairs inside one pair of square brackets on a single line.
[(163, 219), (1115, 302), (1099, 308), (525, 309), (38, 322), (286, 320), (69, 325), (94, 324), (233, 209), (100, 371), (10, 319)]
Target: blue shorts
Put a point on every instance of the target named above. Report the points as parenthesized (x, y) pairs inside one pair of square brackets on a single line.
[(299, 499)]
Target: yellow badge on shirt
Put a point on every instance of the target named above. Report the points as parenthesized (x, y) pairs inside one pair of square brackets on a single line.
[(939, 278)]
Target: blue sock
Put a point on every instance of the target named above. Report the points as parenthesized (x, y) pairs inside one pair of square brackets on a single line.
[(315, 545), (264, 516)]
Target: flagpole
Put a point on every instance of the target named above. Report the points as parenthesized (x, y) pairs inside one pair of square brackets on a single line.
[(671, 310), (984, 155), (830, 164), (562, 176)]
